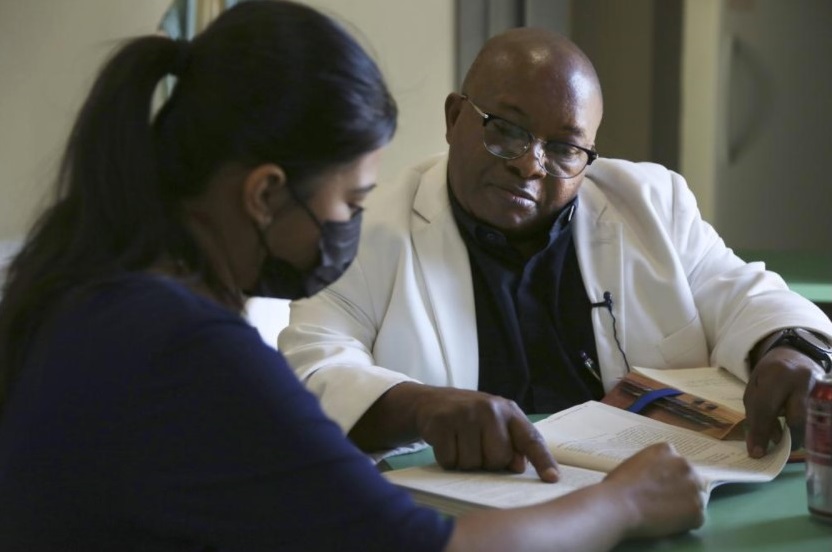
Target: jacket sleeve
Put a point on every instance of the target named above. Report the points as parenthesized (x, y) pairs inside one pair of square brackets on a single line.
[(739, 303), (329, 343)]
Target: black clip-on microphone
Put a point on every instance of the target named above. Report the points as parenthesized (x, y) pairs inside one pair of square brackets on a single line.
[(607, 303)]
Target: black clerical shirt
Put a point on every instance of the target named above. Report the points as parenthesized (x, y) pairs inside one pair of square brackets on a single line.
[(533, 317)]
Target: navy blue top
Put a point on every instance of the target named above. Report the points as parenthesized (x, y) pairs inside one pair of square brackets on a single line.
[(533, 317), (147, 417)]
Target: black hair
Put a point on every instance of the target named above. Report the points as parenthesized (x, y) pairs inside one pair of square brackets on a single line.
[(267, 82)]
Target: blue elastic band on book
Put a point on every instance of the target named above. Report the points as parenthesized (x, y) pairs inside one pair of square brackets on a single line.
[(647, 398)]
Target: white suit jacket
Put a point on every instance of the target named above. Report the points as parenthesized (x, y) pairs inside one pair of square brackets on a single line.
[(405, 308)]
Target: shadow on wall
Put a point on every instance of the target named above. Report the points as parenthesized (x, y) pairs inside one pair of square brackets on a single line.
[(8, 249)]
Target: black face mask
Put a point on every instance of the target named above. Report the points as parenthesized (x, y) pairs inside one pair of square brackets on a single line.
[(338, 246)]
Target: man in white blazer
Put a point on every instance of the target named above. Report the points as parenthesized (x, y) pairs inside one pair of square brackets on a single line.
[(392, 348)]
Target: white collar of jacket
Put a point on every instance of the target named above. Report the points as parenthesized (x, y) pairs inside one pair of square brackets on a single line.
[(456, 323)]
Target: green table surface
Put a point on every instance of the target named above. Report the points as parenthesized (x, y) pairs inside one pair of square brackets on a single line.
[(807, 273), (753, 517)]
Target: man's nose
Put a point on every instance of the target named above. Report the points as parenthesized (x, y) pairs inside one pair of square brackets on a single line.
[(530, 164)]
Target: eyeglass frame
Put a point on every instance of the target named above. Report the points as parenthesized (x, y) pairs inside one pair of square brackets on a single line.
[(592, 155)]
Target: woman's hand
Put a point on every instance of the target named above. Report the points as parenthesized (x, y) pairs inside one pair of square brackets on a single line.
[(660, 488)]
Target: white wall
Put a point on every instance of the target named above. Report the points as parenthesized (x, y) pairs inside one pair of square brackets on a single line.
[(49, 52), (51, 49), (700, 106)]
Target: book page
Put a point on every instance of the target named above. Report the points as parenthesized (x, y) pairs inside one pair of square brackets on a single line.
[(588, 440), (599, 437), (454, 492), (711, 383)]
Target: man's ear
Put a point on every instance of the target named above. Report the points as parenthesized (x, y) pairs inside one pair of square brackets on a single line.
[(261, 192), (453, 107)]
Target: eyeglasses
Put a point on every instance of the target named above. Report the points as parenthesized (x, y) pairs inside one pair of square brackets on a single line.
[(506, 140)]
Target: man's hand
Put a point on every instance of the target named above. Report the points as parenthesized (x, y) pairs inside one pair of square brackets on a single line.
[(467, 429), (780, 384), (472, 430)]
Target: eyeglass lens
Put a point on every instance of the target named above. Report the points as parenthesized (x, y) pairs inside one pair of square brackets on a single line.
[(509, 141)]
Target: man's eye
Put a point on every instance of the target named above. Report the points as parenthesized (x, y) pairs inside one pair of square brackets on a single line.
[(509, 130), (563, 151)]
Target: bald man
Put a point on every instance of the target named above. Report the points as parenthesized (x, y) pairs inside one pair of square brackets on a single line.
[(520, 274)]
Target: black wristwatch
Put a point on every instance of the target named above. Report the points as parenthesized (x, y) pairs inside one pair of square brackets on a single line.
[(807, 342)]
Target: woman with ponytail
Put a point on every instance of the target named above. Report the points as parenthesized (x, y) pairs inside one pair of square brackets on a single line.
[(138, 410)]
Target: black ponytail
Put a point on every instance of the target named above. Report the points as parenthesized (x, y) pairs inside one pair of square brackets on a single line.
[(267, 82), (106, 188)]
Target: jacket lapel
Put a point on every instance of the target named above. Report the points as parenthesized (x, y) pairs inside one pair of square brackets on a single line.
[(443, 262), (598, 245)]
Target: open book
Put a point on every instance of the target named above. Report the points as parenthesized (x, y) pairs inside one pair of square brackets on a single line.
[(588, 440), (715, 392), (707, 400), (710, 383)]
